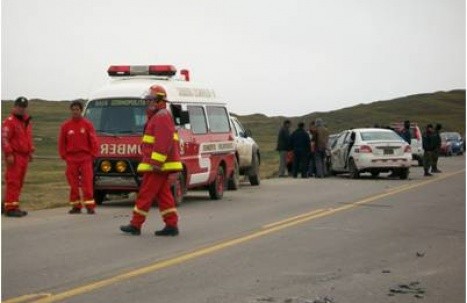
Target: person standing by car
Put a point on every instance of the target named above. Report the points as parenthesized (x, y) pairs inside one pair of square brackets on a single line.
[(283, 146), (429, 145), (161, 156), (322, 138), (405, 132), (77, 145), (437, 148), (312, 162), (18, 149), (300, 143)]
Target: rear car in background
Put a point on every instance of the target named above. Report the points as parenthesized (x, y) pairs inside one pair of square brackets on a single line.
[(248, 157), (373, 151), (451, 143), (416, 144)]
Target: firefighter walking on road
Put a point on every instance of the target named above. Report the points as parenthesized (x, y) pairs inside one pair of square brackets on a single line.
[(17, 148), (161, 156), (77, 145)]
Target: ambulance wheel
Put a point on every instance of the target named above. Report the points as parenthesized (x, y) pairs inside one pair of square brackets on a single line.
[(234, 181), (99, 196), (178, 189), (216, 188), (253, 174)]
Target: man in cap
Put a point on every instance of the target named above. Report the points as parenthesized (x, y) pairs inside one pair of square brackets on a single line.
[(17, 148), (161, 156)]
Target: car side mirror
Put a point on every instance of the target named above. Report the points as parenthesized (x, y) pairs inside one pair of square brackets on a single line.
[(247, 133), (184, 117)]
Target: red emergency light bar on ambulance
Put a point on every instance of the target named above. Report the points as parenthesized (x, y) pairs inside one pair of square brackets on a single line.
[(118, 113)]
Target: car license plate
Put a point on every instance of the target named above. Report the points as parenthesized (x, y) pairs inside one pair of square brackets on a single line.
[(388, 152)]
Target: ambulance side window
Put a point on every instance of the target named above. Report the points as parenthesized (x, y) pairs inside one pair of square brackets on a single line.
[(176, 111), (197, 119), (218, 119)]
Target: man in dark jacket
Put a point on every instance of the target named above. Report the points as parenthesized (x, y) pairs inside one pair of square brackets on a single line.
[(300, 143), (405, 132), (283, 146), (434, 167), (429, 145)]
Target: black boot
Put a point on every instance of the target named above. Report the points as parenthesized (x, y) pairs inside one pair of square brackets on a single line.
[(130, 229), (74, 211), (167, 231), (17, 213)]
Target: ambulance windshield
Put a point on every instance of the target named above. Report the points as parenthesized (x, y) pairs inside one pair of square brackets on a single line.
[(117, 116)]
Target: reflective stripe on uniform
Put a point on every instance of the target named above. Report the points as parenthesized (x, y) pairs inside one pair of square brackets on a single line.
[(149, 139), (176, 138), (168, 211), (144, 167), (158, 157), (74, 203), (139, 211), (89, 202), (11, 203), (172, 166)]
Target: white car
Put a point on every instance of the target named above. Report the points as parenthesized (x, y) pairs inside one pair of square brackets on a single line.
[(247, 154), (371, 150)]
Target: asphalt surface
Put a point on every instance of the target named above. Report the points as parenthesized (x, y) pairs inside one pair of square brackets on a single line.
[(288, 240)]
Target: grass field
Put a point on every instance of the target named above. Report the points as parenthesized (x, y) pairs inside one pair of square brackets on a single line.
[(46, 185)]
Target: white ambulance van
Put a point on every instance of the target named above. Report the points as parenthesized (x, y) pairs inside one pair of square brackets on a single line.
[(117, 111)]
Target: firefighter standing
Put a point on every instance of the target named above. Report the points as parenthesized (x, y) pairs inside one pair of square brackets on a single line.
[(18, 149), (161, 156), (77, 145)]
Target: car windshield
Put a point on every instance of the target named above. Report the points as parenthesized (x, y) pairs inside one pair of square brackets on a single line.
[(379, 136), (117, 116)]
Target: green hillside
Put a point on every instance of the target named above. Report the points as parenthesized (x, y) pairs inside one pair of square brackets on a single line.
[(46, 185)]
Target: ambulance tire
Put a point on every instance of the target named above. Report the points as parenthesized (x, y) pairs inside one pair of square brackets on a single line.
[(178, 189), (216, 188), (99, 196), (253, 174), (234, 180)]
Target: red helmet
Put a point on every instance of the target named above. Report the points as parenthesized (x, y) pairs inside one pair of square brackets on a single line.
[(158, 92)]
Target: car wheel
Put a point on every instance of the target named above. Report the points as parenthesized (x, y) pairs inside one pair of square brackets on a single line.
[(354, 173), (99, 196), (253, 174), (234, 180), (216, 188), (178, 189), (404, 173)]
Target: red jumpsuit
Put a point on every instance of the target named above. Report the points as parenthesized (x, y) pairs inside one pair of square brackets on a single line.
[(161, 156), (16, 141), (77, 145)]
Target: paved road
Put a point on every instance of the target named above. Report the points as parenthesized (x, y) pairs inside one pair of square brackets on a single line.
[(289, 240)]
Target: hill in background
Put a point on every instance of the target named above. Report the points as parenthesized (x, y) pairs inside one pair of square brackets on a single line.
[(447, 108)]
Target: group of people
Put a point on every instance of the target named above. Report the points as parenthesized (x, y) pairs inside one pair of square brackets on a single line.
[(308, 147), (78, 147)]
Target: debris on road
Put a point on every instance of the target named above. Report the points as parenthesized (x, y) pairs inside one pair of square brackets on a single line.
[(413, 288)]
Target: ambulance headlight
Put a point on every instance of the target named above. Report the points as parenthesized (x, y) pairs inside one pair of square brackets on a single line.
[(106, 166), (121, 166)]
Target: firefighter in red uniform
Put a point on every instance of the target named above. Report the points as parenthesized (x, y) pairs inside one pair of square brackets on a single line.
[(77, 145), (161, 156), (17, 149)]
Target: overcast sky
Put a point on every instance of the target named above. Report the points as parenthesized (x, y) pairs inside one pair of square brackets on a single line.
[(263, 56)]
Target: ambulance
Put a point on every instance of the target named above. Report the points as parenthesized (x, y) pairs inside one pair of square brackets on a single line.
[(118, 113)]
